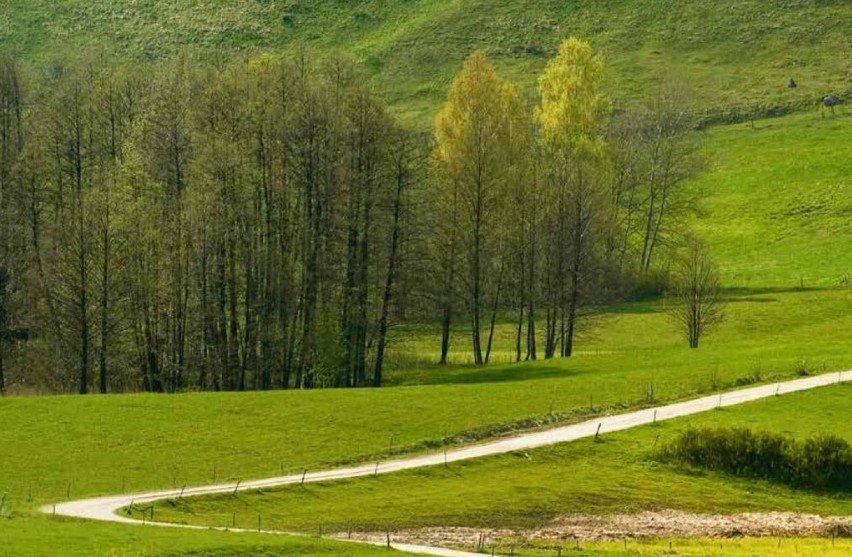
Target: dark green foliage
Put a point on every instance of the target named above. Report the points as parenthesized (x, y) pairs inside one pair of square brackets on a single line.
[(183, 227), (821, 462)]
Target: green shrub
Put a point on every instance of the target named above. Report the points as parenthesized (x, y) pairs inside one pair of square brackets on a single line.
[(823, 462)]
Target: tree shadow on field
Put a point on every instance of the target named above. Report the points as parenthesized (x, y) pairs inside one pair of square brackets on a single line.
[(526, 371), (743, 291), (750, 299), (762, 295), (730, 294)]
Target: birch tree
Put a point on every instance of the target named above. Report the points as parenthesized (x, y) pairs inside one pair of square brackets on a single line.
[(473, 142), (569, 118)]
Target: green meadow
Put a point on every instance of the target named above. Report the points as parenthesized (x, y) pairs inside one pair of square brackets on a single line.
[(630, 355), (618, 474), (736, 54), (775, 207), (37, 537)]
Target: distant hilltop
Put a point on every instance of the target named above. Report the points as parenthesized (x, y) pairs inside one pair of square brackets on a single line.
[(739, 55)]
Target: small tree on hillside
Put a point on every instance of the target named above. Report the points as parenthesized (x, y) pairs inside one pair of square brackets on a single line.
[(698, 305)]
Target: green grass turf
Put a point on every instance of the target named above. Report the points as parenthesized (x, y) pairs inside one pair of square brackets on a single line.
[(737, 547), (40, 537), (139, 441), (735, 53), (619, 474), (778, 202), (101, 444)]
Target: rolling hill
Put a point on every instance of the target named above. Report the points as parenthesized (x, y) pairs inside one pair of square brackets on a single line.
[(737, 54), (776, 206)]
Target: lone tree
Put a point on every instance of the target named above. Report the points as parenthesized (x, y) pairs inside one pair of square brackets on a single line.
[(698, 304)]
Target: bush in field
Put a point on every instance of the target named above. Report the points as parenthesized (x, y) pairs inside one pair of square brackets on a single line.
[(823, 462)]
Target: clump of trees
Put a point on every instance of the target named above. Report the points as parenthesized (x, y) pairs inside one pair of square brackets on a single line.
[(183, 228), (263, 223), (551, 210)]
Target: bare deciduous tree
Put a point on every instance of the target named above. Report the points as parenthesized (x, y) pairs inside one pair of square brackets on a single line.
[(698, 305)]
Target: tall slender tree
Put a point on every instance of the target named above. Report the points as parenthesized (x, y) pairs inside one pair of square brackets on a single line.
[(473, 140), (569, 118)]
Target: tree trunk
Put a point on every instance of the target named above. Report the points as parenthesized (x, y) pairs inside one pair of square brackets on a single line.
[(83, 269), (579, 240), (531, 330), (494, 309), (550, 334), (519, 331), (102, 356), (476, 298), (205, 321), (449, 299), (235, 369), (401, 180), (572, 315), (2, 370)]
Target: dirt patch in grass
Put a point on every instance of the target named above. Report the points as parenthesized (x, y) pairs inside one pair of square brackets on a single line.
[(663, 524)]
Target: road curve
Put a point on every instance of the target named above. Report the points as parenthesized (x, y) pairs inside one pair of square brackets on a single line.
[(105, 508)]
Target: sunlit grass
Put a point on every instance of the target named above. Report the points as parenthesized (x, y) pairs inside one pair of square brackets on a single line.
[(412, 48), (29, 536), (618, 474), (735, 547)]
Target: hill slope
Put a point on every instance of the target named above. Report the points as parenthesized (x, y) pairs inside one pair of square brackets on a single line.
[(738, 54)]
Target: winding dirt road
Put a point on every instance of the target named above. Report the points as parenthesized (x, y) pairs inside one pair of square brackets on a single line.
[(105, 508)]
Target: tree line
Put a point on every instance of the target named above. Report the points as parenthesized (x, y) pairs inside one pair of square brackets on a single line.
[(262, 223)]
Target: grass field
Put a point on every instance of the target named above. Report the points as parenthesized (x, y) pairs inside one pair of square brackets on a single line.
[(629, 355), (778, 202), (38, 537), (776, 212), (103, 444), (413, 48), (528, 489), (749, 547)]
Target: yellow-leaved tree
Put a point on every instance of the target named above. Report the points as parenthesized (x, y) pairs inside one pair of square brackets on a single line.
[(472, 163), (572, 148)]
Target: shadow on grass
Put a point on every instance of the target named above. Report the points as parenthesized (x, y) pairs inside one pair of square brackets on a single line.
[(730, 294), (747, 299), (764, 290), (503, 373)]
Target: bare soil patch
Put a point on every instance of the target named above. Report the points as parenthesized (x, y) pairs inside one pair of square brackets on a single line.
[(662, 524)]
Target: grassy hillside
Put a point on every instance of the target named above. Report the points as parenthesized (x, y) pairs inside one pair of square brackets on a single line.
[(628, 355), (777, 213), (777, 202), (736, 53), (529, 489)]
